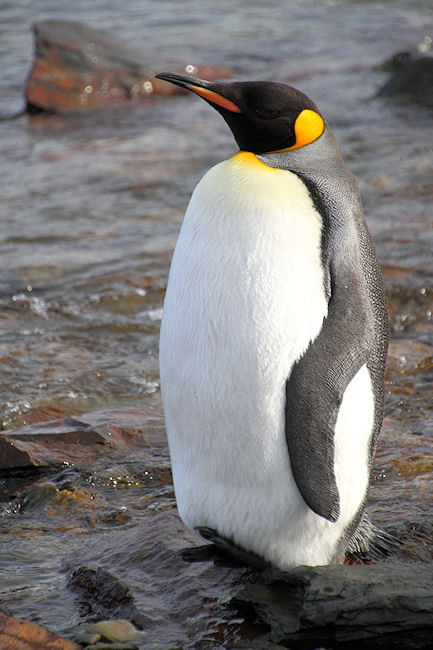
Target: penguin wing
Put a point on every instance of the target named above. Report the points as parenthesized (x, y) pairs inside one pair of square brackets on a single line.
[(316, 385)]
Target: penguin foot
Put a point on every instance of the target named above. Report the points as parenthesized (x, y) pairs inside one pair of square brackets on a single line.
[(229, 550), (198, 553)]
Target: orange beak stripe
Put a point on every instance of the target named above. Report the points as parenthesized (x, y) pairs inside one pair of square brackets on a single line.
[(213, 97)]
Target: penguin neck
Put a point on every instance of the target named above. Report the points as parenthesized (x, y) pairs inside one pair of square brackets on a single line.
[(321, 155), (320, 165), (248, 160)]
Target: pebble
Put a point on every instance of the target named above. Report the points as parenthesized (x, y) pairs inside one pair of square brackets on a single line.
[(116, 634)]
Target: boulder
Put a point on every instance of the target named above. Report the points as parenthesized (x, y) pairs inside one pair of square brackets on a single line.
[(78, 69)]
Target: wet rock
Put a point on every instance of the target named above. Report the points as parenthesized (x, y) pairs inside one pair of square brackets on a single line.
[(389, 605), (65, 508), (107, 595), (39, 496), (80, 440), (100, 586), (412, 74), (20, 417), (16, 633), (78, 69)]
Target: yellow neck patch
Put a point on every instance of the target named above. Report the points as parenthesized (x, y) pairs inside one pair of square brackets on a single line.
[(247, 158), (308, 127)]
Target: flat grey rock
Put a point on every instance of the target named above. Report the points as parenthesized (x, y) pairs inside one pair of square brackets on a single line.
[(357, 606)]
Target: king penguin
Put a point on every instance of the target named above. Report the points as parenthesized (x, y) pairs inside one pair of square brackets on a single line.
[(274, 337)]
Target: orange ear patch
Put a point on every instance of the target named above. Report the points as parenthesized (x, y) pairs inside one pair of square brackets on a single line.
[(213, 97), (308, 127)]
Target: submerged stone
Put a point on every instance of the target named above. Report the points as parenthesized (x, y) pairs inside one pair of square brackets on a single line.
[(108, 596), (78, 69)]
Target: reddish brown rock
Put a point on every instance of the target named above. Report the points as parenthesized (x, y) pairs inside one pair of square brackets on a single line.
[(16, 633), (79, 69), (80, 439)]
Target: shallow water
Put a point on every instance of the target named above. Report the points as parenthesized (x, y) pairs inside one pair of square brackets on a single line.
[(90, 214)]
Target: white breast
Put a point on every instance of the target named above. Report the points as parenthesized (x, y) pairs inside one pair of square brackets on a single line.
[(245, 297)]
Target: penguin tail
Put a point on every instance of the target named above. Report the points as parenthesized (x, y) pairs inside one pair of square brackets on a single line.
[(369, 543)]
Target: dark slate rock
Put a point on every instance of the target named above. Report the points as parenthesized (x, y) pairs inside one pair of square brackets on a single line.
[(380, 606)]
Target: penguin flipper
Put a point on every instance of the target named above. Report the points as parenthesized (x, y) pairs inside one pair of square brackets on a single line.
[(315, 388)]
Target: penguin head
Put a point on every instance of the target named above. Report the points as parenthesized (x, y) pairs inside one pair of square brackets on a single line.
[(264, 116)]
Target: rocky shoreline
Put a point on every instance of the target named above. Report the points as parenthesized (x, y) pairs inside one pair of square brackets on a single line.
[(98, 484), (389, 603)]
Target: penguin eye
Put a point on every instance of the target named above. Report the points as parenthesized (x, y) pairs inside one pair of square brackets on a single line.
[(266, 112)]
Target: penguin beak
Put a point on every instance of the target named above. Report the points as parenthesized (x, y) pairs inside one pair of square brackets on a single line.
[(211, 92)]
